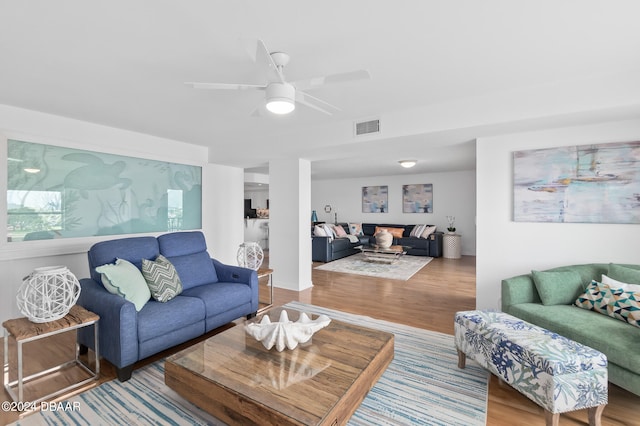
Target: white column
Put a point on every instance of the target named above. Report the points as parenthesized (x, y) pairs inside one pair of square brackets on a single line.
[(289, 223), (222, 211)]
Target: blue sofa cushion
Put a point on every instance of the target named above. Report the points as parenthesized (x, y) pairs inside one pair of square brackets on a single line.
[(182, 243), (132, 249), (221, 297), (187, 251), (194, 269), (158, 319)]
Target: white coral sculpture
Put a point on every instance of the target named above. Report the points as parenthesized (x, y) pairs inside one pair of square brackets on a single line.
[(285, 333)]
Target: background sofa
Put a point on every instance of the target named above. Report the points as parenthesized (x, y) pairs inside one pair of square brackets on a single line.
[(618, 340), (213, 294), (326, 249), (431, 246)]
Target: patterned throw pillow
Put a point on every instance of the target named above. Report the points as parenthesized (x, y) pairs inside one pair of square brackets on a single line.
[(162, 278), (616, 303), (417, 231), (356, 229)]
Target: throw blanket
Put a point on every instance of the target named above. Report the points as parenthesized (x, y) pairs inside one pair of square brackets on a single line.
[(352, 238)]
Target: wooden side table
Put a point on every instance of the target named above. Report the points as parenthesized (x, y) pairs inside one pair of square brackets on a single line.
[(452, 246), (266, 272), (25, 331)]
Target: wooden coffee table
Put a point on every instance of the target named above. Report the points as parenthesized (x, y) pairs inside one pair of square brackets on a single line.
[(233, 377)]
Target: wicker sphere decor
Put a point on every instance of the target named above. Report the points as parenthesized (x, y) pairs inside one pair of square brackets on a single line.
[(250, 255), (48, 293)]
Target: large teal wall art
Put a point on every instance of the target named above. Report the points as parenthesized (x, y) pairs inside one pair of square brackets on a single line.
[(598, 183), (58, 192)]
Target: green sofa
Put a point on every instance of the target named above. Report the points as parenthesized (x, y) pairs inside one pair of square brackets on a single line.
[(618, 340)]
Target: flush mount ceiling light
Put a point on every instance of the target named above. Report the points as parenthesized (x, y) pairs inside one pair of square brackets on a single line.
[(281, 98), (407, 163)]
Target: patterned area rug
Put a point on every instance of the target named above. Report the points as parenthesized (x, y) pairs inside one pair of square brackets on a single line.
[(403, 269), (421, 386)]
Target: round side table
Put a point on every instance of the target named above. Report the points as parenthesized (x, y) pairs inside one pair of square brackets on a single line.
[(452, 246)]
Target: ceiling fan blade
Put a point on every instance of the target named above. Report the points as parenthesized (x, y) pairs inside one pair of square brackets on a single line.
[(226, 86), (263, 57), (315, 103), (249, 46), (332, 79)]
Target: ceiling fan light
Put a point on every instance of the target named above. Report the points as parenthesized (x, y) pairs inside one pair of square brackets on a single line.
[(407, 164), (281, 98), (280, 106)]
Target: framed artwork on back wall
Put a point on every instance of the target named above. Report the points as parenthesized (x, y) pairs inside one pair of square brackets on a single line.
[(375, 199), (417, 198)]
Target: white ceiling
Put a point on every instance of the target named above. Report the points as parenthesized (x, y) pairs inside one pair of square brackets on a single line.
[(443, 72)]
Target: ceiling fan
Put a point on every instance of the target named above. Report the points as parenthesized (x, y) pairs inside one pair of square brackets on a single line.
[(281, 95)]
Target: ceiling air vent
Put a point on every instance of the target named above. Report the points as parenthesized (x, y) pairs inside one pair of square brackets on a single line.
[(367, 127)]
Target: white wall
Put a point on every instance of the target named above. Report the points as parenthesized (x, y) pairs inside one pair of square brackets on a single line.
[(506, 248), (19, 259), (289, 238), (222, 211), (454, 194)]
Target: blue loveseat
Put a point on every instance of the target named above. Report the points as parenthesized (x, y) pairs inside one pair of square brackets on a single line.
[(213, 294)]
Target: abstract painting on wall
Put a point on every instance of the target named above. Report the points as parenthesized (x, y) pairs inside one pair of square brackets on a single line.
[(417, 198), (375, 199), (598, 183)]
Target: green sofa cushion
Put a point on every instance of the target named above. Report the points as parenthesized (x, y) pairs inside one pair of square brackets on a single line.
[(624, 273), (558, 287)]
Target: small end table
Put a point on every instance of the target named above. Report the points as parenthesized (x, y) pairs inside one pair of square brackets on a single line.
[(452, 246), (25, 331)]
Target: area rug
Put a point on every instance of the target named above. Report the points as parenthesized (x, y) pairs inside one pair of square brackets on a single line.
[(403, 269), (421, 386)]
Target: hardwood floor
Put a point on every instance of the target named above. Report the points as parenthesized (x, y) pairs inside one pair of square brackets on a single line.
[(428, 300)]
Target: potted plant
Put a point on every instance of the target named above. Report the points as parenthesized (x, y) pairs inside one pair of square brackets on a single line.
[(452, 221)]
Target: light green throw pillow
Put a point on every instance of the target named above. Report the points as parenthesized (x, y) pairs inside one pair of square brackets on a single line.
[(124, 279), (624, 274), (558, 287)]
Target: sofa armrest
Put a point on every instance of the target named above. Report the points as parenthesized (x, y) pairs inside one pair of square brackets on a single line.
[(235, 274), (435, 244), (519, 289), (321, 249), (117, 327), (238, 275)]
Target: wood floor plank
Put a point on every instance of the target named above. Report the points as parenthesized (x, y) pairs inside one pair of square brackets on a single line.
[(427, 300)]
